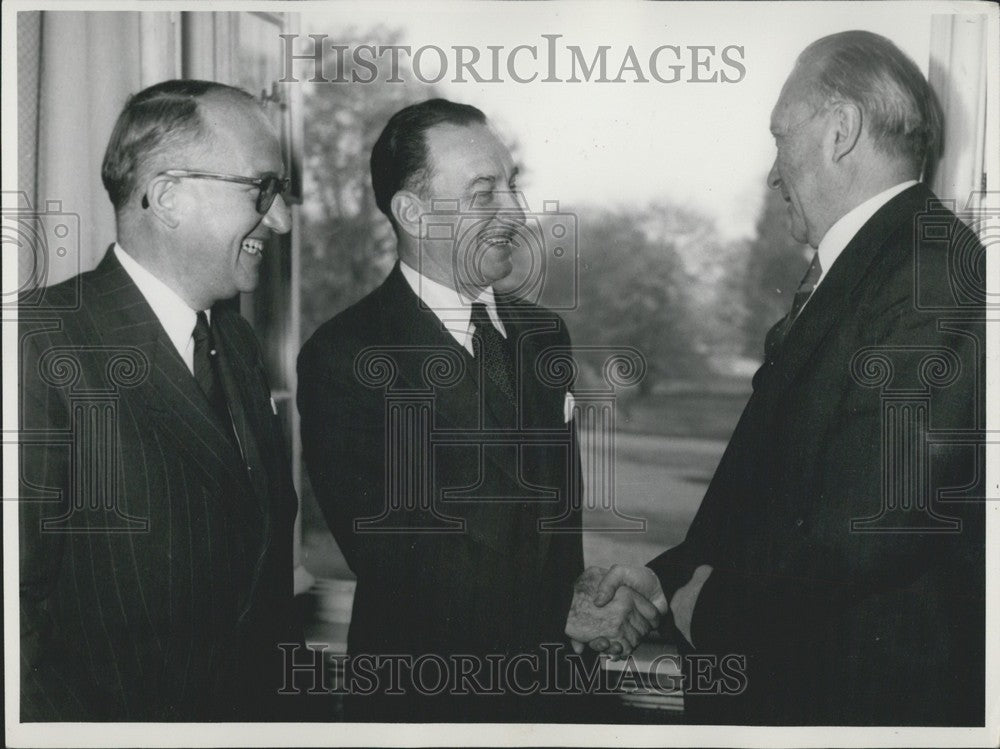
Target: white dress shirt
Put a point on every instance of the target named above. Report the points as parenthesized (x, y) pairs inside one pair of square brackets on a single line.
[(173, 312), (454, 310), (843, 231)]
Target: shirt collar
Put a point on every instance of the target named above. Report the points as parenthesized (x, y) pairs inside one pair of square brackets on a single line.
[(453, 309), (176, 317), (843, 231)]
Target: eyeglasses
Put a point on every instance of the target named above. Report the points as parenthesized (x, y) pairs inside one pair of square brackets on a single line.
[(270, 186)]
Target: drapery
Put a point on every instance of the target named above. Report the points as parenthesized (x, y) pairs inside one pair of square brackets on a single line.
[(958, 74), (75, 72)]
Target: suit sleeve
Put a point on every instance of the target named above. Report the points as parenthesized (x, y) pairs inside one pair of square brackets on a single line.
[(824, 566), (49, 687), (344, 445), (675, 566), (573, 543)]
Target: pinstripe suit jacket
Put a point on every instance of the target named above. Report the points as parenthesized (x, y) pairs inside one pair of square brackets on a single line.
[(155, 557)]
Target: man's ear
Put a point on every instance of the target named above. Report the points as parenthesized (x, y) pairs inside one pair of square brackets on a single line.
[(162, 200), (407, 208), (848, 121)]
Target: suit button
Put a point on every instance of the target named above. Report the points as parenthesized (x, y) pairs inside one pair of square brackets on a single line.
[(799, 522)]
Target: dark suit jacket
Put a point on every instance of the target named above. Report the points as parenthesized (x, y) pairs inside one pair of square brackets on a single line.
[(475, 575), (863, 623), (156, 569)]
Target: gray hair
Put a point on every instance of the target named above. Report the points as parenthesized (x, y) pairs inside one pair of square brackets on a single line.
[(897, 104)]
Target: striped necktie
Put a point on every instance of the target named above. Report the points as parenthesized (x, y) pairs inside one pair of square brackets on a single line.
[(806, 288)]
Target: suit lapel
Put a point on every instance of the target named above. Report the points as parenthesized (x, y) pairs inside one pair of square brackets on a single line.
[(411, 323), (459, 406), (240, 388), (525, 331), (834, 297), (170, 393)]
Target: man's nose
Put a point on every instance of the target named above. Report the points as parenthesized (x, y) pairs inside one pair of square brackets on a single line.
[(773, 177), (513, 207), (278, 218)]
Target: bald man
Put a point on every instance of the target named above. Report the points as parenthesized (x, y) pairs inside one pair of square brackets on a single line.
[(157, 504)]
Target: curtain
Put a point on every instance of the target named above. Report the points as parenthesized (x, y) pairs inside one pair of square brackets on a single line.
[(75, 72), (958, 75), (29, 28)]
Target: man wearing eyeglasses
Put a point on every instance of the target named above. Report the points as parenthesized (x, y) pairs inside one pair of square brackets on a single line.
[(156, 499)]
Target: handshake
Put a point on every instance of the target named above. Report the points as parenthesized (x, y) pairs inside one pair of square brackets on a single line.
[(613, 609)]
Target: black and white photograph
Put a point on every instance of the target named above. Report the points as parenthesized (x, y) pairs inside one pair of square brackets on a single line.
[(476, 373)]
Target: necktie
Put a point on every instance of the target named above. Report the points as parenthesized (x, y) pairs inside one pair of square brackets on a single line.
[(802, 294), (806, 288), (204, 367), (514, 521), (491, 350)]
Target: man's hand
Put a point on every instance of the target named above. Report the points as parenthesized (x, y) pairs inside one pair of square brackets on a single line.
[(620, 622), (682, 604), (639, 579)]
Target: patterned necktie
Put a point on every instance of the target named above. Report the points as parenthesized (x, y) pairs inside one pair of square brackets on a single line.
[(802, 294), (806, 288), (491, 350), (204, 367)]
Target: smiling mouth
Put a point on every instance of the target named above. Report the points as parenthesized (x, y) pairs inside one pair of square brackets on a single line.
[(500, 241), (252, 246)]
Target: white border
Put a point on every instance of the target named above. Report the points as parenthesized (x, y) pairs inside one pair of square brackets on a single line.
[(343, 734)]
